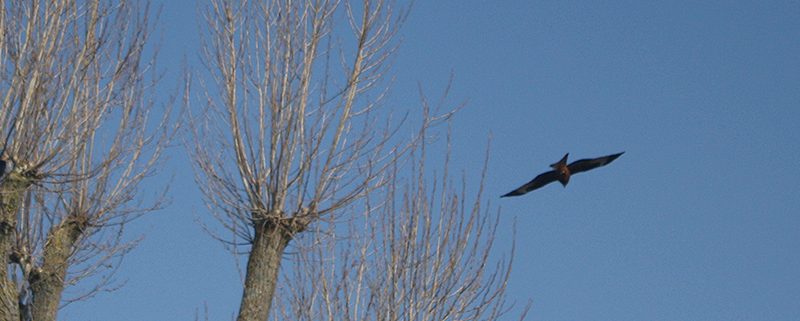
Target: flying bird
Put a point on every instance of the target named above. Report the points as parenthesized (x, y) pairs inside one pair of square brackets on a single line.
[(561, 172)]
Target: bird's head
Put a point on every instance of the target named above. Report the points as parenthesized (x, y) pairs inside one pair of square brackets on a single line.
[(563, 176)]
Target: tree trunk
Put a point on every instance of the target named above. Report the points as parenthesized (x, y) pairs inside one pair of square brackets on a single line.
[(47, 282), (12, 190), (262, 270)]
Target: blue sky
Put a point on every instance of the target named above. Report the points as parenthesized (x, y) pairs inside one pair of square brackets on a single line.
[(698, 220)]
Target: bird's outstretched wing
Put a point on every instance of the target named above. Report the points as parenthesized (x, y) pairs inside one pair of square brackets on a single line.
[(588, 164), (539, 181)]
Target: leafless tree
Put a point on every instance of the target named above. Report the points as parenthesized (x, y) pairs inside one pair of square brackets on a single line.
[(294, 126), (293, 135), (81, 132)]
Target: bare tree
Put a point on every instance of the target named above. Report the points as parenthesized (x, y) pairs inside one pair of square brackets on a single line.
[(292, 135), (76, 113), (295, 127)]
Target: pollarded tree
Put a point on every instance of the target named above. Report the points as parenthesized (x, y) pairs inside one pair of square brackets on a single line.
[(290, 136), (292, 133), (79, 138)]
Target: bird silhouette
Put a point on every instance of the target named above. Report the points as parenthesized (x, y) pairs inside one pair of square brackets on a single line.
[(561, 172)]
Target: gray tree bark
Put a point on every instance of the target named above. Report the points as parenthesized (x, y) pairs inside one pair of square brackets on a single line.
[(12, 190)]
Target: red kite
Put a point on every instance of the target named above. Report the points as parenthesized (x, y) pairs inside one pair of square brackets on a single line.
[(561, 172)]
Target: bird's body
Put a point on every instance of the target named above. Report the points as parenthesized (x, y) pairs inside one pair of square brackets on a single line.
[(562, 172)]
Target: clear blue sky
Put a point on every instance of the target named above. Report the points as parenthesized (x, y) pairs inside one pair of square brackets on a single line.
[(699, 220)]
